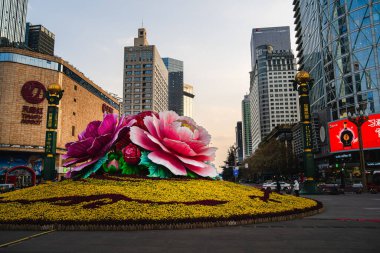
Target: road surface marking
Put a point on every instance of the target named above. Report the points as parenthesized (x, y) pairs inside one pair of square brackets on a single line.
[(25, 238)]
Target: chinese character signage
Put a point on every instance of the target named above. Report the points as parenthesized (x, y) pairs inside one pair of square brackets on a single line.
[(308, 144), (344, 135), (31, 115), (52, 117), (50, 143)]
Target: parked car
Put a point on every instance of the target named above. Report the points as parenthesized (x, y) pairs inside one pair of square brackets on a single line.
[(273, 186), (357, 187), (329, 188)]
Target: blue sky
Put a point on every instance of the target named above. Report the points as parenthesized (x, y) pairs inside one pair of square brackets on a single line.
[(212, 37)]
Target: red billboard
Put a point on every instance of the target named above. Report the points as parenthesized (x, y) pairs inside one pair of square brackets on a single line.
[(344, 135)]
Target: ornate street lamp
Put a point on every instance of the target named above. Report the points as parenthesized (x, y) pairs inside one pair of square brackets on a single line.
[(302, 84), (53, 95), (359, 120)]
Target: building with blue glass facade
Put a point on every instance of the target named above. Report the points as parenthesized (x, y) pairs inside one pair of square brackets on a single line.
[(13, 21), (337, 42), (175, 84)]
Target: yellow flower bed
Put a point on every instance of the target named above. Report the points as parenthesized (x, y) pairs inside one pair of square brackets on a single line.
[(143, 201)]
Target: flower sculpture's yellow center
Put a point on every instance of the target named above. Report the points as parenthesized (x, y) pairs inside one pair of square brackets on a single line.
[(186, 124)]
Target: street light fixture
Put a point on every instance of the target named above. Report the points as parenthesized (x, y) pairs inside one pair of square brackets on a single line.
[(359, 120)]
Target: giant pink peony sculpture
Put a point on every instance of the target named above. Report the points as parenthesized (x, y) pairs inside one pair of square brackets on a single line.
[(157, 145)]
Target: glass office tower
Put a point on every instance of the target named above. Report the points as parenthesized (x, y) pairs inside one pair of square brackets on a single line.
[(12, 22), (337, 42), (175, 81)]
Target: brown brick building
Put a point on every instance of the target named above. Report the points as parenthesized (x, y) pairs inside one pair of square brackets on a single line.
[(24, 75)]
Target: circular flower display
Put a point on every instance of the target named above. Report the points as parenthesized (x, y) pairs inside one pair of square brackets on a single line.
[(130, 201)]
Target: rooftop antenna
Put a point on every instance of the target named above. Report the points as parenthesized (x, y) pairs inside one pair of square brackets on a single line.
[(142, 23)]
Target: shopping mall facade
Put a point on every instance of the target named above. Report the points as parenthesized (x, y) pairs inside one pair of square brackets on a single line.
[(24, 77)]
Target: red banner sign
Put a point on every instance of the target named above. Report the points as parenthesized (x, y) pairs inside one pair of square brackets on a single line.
[(344, 134)]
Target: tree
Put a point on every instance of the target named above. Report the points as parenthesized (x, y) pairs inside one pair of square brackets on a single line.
[(227, 173), (273, 158)]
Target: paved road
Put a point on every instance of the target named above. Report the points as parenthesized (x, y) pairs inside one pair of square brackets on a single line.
[(350, 223)]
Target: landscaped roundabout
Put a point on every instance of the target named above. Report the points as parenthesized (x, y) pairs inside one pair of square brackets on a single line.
[(148, 171), (129, 203)]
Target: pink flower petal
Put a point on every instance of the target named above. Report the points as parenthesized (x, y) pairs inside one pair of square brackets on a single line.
[(151, 124), (196, 145), (170, 131), (204, 136), (98, 144), (140, 138), (75, 160), (108, 124), (208, 151), (166, 119), (91, 130), (207, 171), (81, 166), (158, 142), (190, 161), (79, 148), (178, 147), (169, 161)]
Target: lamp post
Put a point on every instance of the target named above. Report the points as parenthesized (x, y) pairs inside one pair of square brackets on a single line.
[(359, 120), (53, 95), (302, 84)]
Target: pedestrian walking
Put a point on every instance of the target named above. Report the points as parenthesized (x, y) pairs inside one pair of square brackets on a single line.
[(296, 188), (278, 186)]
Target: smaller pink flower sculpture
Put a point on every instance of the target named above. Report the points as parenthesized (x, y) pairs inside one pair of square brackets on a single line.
[(94, 142), (177, 143)]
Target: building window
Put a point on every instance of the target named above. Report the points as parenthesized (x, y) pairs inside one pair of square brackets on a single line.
[(75, 87), (75, 99), (72, 130), (74, 113)]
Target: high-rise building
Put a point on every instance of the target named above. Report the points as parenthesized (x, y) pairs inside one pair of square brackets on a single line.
[(175, 69), (13, 22), (277, 37), (239, 140), (188, 97), (247, 136), (273, 100), (272, 64), (39, 39), (337, 43), (145, 77)]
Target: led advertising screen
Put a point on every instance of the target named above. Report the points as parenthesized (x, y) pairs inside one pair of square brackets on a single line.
[(344, 135)]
